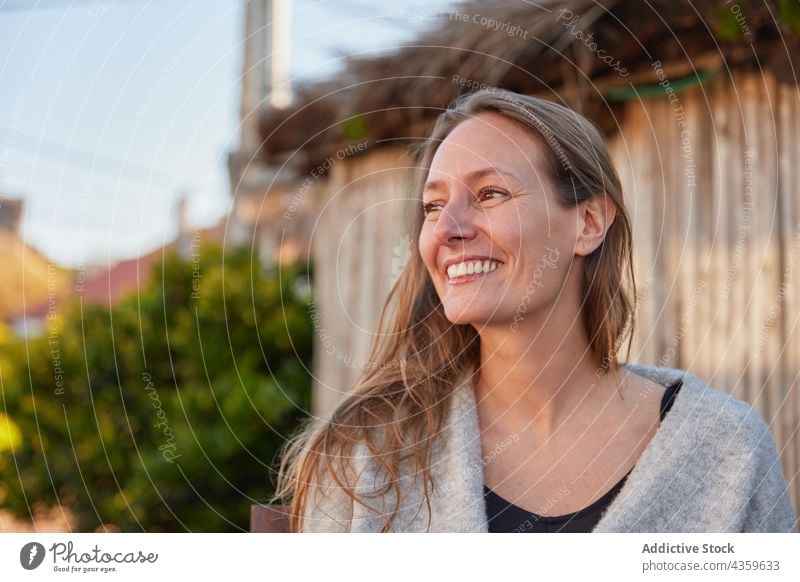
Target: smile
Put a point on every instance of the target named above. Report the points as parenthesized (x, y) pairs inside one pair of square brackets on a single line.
[(470, 271)]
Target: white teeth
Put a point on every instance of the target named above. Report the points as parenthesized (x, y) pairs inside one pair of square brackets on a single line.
[(471, 268)]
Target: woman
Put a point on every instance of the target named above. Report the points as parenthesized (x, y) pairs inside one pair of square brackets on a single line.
[(495, 401)]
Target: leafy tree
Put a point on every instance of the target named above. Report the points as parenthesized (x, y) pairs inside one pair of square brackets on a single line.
[(174, 402)]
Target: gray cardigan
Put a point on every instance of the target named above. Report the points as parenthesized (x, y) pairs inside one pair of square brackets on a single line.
[(712, 466)]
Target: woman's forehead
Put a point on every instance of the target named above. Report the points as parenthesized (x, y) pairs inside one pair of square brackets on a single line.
[(488, 140)]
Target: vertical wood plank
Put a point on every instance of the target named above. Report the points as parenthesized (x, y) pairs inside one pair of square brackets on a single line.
[(738, 268), (769, 340), (721, 235), (789, 191)]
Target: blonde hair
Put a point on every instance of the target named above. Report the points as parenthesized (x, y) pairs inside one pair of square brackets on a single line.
[(399, 404)]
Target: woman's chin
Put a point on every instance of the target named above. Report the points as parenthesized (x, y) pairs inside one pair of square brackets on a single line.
[(468, 315), (459, 316)]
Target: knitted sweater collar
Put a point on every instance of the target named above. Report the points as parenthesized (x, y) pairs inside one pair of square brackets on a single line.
[(460, 505)]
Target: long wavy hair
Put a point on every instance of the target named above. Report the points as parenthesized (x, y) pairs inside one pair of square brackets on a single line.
[(399, 403)]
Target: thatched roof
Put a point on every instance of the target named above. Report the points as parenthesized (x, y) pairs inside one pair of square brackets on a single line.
[(542, 49)]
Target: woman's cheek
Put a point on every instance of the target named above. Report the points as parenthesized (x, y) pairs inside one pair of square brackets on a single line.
[(547, 272)]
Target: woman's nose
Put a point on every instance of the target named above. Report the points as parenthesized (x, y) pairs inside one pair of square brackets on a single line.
[(455, 222)]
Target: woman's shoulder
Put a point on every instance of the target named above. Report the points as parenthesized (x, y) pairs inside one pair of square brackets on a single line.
[(705, 411), (329, 508)]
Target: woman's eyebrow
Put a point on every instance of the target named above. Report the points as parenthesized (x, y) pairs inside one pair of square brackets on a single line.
[(473, 176)]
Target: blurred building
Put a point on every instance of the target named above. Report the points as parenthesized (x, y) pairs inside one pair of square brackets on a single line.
[(261, 191), (33, 288), (29, 282)]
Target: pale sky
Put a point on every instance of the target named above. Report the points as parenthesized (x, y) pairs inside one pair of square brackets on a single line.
[(110, 109)]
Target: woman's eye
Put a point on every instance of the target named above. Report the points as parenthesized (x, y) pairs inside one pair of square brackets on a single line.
[(491, 192), (428, 207)]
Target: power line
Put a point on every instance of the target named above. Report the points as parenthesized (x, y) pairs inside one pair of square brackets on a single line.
[(43, 5), (90, 159)]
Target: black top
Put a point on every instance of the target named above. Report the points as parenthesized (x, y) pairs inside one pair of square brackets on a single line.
[(505, 517)]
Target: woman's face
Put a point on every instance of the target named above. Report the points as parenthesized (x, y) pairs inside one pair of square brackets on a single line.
[(487, 198)]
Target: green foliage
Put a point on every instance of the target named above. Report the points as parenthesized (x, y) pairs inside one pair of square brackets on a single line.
[(355, 128), (728, 27), (174, 402), (789, 11)]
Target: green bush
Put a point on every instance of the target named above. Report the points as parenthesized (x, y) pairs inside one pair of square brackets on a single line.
[(174, 402)]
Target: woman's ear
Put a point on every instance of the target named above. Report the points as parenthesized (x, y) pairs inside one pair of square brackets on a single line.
[(595, 217)]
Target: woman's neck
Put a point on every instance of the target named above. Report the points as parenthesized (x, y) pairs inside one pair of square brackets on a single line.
[(534, 380)]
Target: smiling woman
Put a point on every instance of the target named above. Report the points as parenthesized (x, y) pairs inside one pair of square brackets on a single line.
[(497, 401)]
